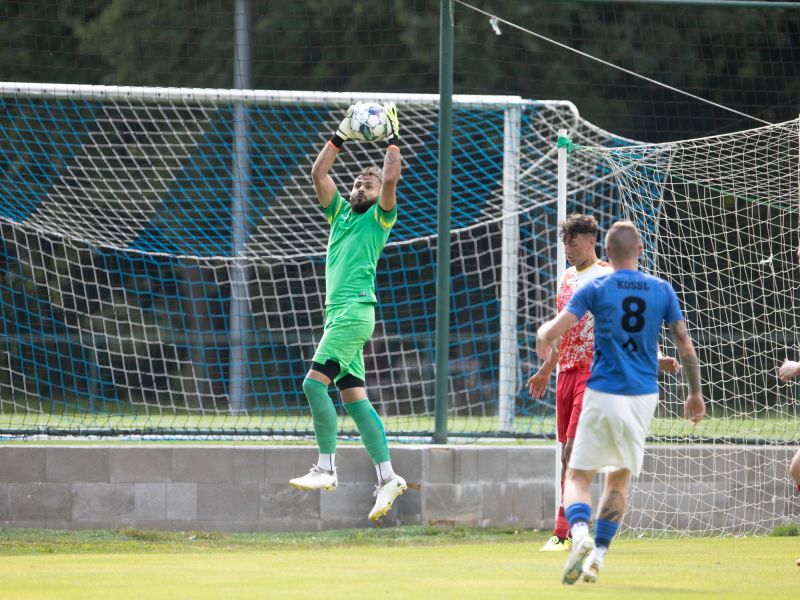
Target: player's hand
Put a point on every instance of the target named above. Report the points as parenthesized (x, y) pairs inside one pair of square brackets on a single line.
[(788, 370), (394, 123), (345, 129), (537, 384), (669, 364), (695, 408)]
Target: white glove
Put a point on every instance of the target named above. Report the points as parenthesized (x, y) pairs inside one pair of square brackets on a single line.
[(345, 129)]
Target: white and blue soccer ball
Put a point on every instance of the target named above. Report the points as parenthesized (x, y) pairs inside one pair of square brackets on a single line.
[(369, 121)]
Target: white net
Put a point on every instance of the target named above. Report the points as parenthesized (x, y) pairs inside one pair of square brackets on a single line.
[(164, 259), (122, 310), (719, 218)]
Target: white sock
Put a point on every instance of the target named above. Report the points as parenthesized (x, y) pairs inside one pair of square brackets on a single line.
[(327, 462), (384, 471), (579, 531), (598, 555)]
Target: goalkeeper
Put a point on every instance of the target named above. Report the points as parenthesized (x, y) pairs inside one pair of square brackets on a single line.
[(360, 226)]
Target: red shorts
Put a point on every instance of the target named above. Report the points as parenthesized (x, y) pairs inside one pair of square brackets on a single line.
[(570, 386)]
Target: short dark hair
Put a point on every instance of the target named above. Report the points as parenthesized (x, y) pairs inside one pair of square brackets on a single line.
[(622, 241), (578, 224), (372, 171)]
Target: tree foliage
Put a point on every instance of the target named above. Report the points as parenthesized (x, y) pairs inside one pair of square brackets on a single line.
[(747, 59)]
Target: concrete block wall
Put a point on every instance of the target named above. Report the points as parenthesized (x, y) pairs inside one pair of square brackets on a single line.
[(244, 488)]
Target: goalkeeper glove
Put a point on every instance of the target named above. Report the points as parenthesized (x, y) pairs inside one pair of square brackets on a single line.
[(345, 130), (393, 133)]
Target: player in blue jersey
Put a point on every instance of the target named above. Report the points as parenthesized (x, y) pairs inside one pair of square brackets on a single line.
[(621, 395)]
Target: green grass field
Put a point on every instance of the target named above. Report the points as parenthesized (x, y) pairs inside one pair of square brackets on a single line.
[(408, 562)]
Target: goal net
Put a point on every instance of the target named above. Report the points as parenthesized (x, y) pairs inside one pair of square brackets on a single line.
[(163, 259), (163, 273), (719, 219)]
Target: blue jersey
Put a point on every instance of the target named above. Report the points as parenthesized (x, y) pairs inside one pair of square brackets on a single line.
[(629, 308)]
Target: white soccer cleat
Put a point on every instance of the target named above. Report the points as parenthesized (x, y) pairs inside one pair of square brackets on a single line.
[(385, 495), (591, 570), (316, 479), (574, 567)]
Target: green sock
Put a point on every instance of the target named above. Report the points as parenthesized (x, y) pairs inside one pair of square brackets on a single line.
[(371, 429), (323, 413)]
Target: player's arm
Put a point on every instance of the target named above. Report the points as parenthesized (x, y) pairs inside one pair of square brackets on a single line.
[(694, 408), (537, 384), (552, 330), (789, 369), (668, 364), (392, 162), (320, 172)]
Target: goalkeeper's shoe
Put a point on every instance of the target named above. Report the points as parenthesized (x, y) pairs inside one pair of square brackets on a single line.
[(385, 495), (316, 479), (574, 567), (591, 570), (557, 544)]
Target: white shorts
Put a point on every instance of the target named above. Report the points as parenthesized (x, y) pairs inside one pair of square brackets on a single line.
[(612, 431)]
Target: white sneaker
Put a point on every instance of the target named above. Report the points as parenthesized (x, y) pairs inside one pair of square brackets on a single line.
[(574, 567), (316, 479), (591, 570), (385, 495)]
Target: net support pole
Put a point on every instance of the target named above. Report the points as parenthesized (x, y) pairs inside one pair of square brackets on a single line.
[(509, 271), (443, 244), (561, 260), (240, 300)]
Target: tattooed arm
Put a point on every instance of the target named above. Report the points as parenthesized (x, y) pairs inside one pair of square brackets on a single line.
[(694, 409)]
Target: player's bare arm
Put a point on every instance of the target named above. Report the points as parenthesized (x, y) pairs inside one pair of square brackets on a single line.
[(537, 384), (694, 408), (392, 162), (551, 331), (668, 364), (323, 183), (789, 370), (320, 172)]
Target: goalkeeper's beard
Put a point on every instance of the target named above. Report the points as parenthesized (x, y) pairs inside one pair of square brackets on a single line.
[(360, 203)]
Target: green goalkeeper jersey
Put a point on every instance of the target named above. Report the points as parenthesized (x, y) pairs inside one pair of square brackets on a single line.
[(354, 247)]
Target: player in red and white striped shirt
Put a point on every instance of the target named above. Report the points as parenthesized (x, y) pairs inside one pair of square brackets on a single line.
[(574, 355)]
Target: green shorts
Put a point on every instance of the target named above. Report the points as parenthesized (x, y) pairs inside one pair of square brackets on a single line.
[(348, 328)]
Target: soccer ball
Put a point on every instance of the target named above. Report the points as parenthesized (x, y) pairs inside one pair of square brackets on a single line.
[(369, 121)]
